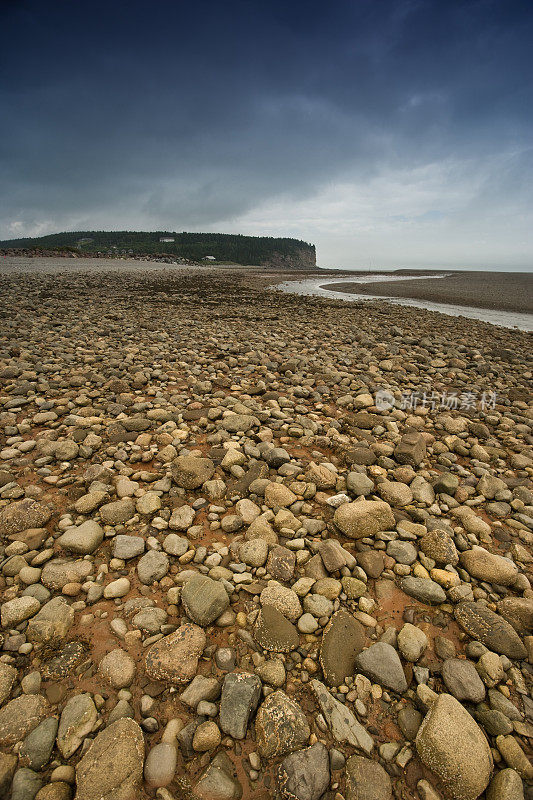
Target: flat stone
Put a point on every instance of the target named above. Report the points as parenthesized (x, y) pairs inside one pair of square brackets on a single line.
[(423, 589), (182, 518), (118, 667), (57, 790), (52, 623), (332, 554), (506, 785), (126, 547), (219, 781), (118, 511), (26, 784), (8, 676), (485, 566), (281, 726), (37, 747), (8, 765), (77, 721), (453, 746), (402, 552), (342, 723), (359, 484), (462, 680), (254, 553), (204, 599), (518, 611), (366, 780), (64, 661), (60, 571), (284, 599), (371, 562), (112, 767), (20, 716), (305, 775), (175, 545), (281, 563), (411, 449), (395, 493), (200, 688), (439, 545), (364, 518), (175, 657), (342, 641), (153, 566), (381, 663), (21, 515), (412, 642), (160, 765), (274, 632), (239, 699), (118, 588), (189, 472), (490, 629), (82, 539), (148, 503), (150, 620), (18, 610)]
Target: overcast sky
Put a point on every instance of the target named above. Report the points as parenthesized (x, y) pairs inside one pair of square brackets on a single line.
[(388, 132)]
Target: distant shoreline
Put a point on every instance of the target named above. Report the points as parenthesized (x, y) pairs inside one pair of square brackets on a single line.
[(503, 291)]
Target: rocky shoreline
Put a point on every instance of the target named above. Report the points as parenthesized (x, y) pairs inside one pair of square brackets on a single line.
[(229, 569)]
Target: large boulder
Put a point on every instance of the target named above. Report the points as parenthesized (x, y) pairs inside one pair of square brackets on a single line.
[(453, 746), (112, 767), (364, 518)]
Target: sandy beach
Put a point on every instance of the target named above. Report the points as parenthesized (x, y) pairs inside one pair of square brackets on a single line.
[(508, 291)]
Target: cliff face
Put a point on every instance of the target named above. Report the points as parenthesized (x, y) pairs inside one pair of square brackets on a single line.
[(303, 258)]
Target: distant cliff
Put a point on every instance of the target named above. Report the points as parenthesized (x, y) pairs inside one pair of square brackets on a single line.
[(216, 247)]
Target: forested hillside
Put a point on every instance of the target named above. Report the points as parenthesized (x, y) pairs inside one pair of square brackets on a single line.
[(195, 246)]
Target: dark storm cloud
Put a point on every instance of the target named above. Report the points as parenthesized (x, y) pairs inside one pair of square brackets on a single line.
[(169, 114)]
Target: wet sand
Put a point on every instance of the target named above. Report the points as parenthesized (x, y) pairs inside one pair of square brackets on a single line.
[(508, 291)]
